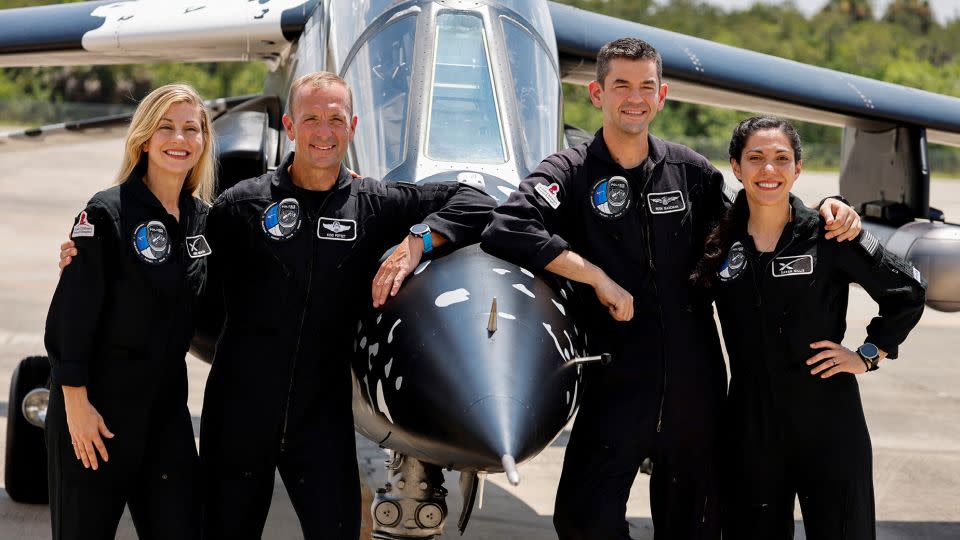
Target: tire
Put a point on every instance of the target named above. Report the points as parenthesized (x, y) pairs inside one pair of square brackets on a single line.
[(25, 469)]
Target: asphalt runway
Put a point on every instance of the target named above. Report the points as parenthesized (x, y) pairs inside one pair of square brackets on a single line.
[(912, 404)]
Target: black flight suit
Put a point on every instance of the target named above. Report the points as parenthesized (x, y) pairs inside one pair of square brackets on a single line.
[(120, 324), (789, 432), (295, 284), (662, 395)]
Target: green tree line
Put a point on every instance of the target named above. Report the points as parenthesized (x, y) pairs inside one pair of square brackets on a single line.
[(905, 45)]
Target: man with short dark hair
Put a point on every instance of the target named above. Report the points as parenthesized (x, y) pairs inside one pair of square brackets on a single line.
[(625, 217)]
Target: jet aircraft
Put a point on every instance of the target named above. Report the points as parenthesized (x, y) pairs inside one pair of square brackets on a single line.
[(477, 364)]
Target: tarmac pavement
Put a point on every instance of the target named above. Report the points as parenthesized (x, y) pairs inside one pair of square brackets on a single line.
[(912, 404)]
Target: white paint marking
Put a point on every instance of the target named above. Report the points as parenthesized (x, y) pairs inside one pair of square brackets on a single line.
[(399, 381), (559, 306), (452, 297), (555, 341), (526, 272), (501, 271), (522, 288), (380, 316), (392, 328), (386, 368), (371, 352), (505, 315), (570, 341), (563, 293), (363, 342), (505, 190), (568, 397), (382, 403), (421, 267)]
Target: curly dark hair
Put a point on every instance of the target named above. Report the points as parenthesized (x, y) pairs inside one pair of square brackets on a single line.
[(715, 246)]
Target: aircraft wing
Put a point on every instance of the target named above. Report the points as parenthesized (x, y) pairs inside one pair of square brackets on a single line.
[(150, 31), (112, 126), (702, 71)]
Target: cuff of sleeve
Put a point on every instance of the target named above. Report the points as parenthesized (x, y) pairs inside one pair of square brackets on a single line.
[(892, 349), (70, 375), (443, 227), (550, 251), (837, 197)]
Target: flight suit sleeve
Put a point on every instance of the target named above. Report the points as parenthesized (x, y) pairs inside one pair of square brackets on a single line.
[(895, 284), (75, 311), (455, 210), (210, 302), (718, 198), (527, 228)]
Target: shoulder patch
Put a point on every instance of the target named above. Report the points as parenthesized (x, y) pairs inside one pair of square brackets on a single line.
[(549, 194), (281, 220), (83, 228)]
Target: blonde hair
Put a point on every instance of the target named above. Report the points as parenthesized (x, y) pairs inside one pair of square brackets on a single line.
[(319, 79), (202, 177)]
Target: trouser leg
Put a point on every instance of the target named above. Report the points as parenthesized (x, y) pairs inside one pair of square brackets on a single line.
[(600, 465), (84, 504), (319, 469), (165, 501), (839, 506), (684, 498)]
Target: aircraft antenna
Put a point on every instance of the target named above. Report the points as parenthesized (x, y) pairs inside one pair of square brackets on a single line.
[(492, 321)]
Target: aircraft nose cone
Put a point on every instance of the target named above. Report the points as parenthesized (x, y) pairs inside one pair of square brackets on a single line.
[(468, 396)]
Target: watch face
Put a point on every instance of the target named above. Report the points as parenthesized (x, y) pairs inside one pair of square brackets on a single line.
[(869, 350), (419, 229)]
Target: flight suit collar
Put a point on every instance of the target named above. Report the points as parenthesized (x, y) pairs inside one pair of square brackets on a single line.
[(143, 195), (805, 223), (657, 150), (284, 182)]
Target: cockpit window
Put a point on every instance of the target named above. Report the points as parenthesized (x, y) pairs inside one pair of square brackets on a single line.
[(379, 76), (464, 124), (538, 93)]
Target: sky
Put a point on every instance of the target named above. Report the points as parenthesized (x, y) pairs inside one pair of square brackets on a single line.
[(942, 9)]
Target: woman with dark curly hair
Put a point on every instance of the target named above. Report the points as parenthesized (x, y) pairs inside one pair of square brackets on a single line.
[(794, 421)]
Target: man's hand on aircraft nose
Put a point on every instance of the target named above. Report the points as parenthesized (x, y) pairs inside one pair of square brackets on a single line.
[(396, 268), (615, 298)]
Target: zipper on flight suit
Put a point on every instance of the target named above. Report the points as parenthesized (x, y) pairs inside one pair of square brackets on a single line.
[(303, 318), (656, 293)]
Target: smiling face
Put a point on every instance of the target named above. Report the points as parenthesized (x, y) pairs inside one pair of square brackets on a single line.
[(322, 126), (177, 143), (767, 167), (630, 96)]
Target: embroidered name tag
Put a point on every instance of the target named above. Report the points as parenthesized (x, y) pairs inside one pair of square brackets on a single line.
[(197, 247), (798, 265), (337, 229), (667, 202)]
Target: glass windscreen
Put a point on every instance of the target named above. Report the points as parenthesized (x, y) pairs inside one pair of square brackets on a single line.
[(379, 76), (537, 88), (464, 124)]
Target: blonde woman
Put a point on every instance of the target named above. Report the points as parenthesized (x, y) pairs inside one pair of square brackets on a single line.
[(118, 429)]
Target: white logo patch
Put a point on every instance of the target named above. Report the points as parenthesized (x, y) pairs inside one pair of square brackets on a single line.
[(549, 194), (667, 202), (797, 265), (197, 247), (344, 230), (83, 227)]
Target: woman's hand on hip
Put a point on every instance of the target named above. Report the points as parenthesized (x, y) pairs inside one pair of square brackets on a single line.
[(86, 427), (833, 359)]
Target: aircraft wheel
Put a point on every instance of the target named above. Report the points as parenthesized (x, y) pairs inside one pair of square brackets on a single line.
[(25, 471)]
